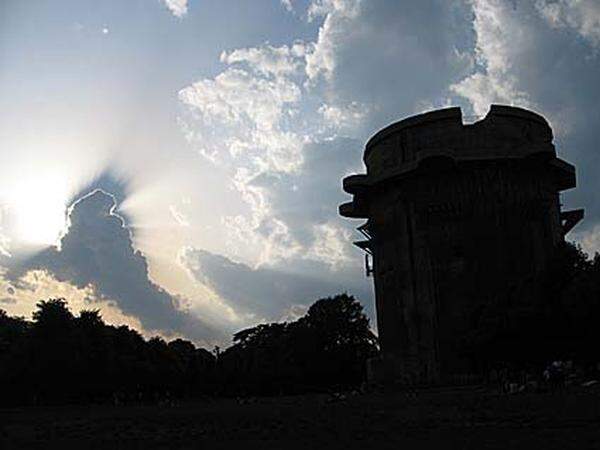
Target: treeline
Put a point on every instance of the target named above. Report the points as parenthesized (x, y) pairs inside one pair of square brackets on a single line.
[(58, 357)]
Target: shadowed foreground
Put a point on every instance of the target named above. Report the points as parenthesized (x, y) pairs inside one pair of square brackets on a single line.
[(465, 418)]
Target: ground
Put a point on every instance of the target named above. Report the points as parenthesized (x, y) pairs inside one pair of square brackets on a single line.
[(448, 418)]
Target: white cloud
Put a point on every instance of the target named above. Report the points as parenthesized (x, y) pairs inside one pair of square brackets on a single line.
[(321, 61), (345, 8), (273, 115), (331, 245), (178, 8), (248, 119), (589, 239), (287, 4), (499, 35), (583, 16), (343, 117), (247, 113), (268, 60)]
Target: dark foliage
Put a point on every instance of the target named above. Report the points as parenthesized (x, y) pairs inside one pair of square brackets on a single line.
[(61, 358), (328, 347), (559, 321)]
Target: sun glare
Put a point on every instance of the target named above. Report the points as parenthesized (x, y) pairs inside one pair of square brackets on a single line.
[(39, 210)]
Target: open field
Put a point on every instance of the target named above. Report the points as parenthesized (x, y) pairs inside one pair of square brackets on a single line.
[(450, 418)]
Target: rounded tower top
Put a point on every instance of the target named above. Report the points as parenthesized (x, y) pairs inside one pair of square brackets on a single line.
[(505, 132), (452, 117), (418, 142)]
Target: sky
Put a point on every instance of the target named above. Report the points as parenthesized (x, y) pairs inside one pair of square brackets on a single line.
[(177, 164)]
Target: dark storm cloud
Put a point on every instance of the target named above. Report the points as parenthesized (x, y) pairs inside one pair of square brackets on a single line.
[(269, 293), (97, 250)]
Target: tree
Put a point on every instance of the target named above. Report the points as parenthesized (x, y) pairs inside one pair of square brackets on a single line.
[(52, 317), (62, 358), (328, 346), (339, 337)]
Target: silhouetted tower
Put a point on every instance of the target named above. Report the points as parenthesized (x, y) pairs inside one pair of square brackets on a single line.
[(458, 217)]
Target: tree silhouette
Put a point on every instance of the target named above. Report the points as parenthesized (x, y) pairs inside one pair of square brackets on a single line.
[(327, 347), (58, 357)]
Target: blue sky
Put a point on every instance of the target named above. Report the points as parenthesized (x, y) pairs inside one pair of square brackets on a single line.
[(219, 132)]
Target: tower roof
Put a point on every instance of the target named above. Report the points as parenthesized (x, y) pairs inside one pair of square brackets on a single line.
[(421, 141)]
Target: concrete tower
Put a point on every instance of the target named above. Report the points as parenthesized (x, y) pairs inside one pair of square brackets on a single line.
[(458, 215)]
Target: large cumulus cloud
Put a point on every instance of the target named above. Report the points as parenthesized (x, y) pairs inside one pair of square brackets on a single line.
[(97, 252), (288, 122)]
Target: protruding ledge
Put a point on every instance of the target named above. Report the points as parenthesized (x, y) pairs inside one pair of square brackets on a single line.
[(354, 184), (564, 174), (351, 211)]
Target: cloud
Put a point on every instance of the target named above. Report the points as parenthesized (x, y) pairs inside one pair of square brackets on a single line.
[(343, 117), (244, 115), (384, 56), (268, 60), (24, 294), (178, 8), (244, 120), (306, 202), (499, 35), (338, 16), (97, 252), (266, 294), (287, 4), (253, 120), (589, 239), (276, 110), (583, 16)]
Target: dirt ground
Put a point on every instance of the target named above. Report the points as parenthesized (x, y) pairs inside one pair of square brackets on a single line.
[(450, 418)]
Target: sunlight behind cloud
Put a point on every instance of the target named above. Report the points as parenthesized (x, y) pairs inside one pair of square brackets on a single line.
[(39, 206), (36, 191)]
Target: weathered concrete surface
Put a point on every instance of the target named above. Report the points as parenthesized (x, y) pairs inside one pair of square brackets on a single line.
[(458, 216)]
